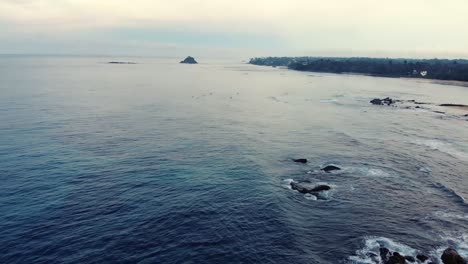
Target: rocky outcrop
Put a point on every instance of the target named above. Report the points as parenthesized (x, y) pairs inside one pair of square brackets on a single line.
[(385, 101), (451, 256), (330, 168), (456, 105), (384, 254), (422, 257), (189, 60), (396, 258), (307, 187), (388, 257), (121, 62), (300, 160)]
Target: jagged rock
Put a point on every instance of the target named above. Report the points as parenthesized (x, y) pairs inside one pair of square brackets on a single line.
[(396, 258), (410, 258), (384, 254), (451, 256), (306, 187), (422, 258), (300, 160), (385, 101), (330, 168), (189, 60)]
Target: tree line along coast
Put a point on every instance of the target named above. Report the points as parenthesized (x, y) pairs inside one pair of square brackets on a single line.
[(439, 69)]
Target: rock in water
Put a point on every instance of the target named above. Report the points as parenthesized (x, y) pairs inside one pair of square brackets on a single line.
[(384, 253), (305, 187), (189, 60), (451, 256), (330, 168), (300, 160), (422, 258), (457, 105), (385, 101), (320, 188), (396, 259), (121, 62)]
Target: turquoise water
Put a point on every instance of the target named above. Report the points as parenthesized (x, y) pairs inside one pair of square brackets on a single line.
[(160, 162)]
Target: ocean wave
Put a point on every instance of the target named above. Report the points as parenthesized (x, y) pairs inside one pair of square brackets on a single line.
[(334, 100), (450, 215), (457, 241), (370, 253), (425, 169), (309, 196), (358, 170), (441, 146), (368, 171), (287, 183), (451, 191)]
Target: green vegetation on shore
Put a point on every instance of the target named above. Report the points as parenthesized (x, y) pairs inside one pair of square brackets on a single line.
[(440, 69)]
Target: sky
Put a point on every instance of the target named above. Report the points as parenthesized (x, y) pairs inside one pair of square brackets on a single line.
[(245, 28)]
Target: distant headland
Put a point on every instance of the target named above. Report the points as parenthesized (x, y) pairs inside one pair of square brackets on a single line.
[(439, 69)]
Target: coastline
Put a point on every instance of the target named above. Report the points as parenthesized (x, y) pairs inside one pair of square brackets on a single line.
[(427, 80)]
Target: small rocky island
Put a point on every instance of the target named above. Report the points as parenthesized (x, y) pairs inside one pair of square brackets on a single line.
[(121, 62), (189, 60)]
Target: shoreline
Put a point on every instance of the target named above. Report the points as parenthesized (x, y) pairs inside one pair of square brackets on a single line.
[(443, 71), (427, 80)]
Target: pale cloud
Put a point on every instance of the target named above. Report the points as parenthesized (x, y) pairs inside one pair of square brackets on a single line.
[(437, 25)]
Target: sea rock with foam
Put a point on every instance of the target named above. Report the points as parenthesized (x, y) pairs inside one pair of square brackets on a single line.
[(451, 256), (330, 168), (307, 187), (385, 101)]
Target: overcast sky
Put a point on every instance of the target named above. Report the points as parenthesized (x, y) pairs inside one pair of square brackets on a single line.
[(409, 28)]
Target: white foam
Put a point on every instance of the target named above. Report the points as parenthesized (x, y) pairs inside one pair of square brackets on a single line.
[(376, 173), (441, 146), (322, 195), (458, 242), (309, 196), (450, 215), (334, 100), (367, 171), (287, 183), (425, 169), (452, 191), (370, 252)]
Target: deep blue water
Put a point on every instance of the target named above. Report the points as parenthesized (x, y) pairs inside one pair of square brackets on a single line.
[(166, 163)]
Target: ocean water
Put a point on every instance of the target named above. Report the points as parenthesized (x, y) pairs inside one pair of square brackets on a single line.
[(160, 162)]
